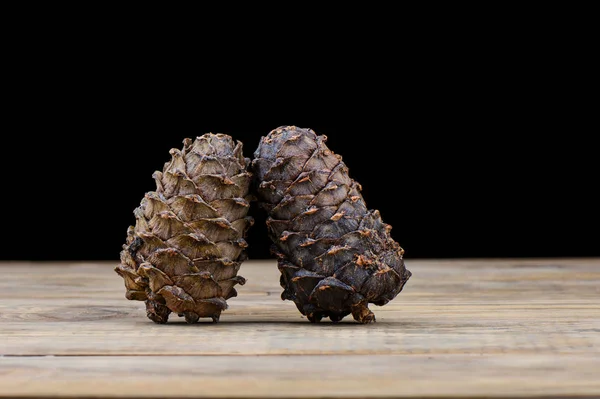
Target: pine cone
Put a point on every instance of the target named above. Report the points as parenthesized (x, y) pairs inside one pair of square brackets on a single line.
[(185, 250), (335, 255)]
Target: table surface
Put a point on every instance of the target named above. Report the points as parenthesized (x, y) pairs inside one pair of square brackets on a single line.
[(470, 328)]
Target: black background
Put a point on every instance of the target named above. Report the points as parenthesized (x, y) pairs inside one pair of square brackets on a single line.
[(454, 186), (495, 155)]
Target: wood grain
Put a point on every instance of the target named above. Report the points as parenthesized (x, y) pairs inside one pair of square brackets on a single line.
[(303, 376), (460, 328)]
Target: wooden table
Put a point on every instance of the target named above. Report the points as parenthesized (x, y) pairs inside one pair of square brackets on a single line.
[(474, 328)]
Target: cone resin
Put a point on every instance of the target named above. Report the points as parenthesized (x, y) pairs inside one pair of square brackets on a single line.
[(335, 255), (185, 250)]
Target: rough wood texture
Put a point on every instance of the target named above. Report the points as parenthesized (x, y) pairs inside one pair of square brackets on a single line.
[(462, 328)]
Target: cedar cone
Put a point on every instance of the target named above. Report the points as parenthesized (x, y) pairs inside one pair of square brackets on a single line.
[(185, 250), (335, 255)]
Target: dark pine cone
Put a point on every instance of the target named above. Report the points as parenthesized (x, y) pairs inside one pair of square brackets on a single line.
[(185, 250), (335, 255)]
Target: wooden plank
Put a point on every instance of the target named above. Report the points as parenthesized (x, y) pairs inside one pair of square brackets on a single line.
[(302, 376), (448, 307), (571, 328), (466, 328)]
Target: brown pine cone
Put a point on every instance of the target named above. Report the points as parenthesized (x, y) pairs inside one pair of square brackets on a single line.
[(335, 255), (185, 250)]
